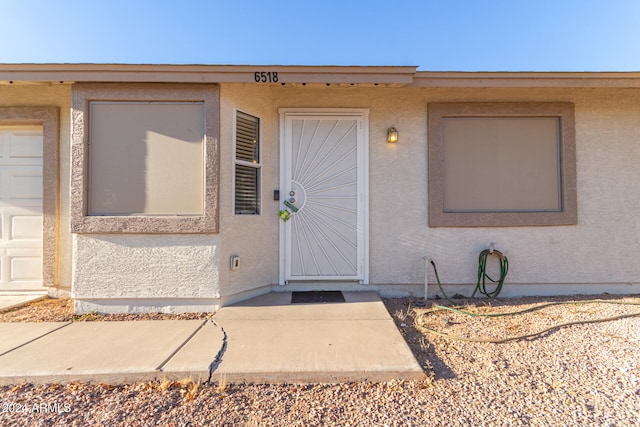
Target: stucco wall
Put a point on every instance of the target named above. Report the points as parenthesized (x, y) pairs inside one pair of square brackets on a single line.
[(55, 95), (184, 268), (254, 238), (601, 250), (164, 262), (397, 173), (603, 247), (145, 266)]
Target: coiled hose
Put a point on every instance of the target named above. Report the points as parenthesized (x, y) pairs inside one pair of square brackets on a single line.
[(481, 285), (483, 276)]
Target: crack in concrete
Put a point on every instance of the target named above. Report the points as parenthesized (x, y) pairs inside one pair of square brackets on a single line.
[(218, 359)]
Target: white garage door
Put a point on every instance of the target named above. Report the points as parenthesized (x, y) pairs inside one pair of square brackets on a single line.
[(20, 208)]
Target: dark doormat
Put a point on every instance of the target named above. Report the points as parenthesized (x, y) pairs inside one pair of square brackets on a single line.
[(316, 297)]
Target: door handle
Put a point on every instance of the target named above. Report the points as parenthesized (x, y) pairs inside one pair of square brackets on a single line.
[(290, 205)]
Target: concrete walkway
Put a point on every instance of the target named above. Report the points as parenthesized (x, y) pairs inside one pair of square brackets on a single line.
[(12, 300), (266, 339)]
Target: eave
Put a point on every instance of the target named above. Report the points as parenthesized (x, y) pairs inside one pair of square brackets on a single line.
[(527, 79), (133, 73), (335, 76)]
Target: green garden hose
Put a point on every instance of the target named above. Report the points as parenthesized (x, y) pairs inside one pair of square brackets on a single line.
[(435, 270), (483, 276), (481, 285), (519, 337), (537, 307)]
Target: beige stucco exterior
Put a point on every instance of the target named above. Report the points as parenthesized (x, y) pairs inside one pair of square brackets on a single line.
[(554, 258), (254, 237), (178, 271)]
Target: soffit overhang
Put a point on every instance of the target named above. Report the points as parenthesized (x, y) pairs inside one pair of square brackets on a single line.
[(136, 73), (527, 79), (294, 75)]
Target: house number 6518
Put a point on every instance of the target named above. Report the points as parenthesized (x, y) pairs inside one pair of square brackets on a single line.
[(266, 77)]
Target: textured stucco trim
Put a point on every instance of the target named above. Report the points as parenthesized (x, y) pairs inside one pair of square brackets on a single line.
[(48, 118), (569, 212), (82, 94)]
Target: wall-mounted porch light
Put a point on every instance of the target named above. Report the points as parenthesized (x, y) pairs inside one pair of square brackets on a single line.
[(392, 134)]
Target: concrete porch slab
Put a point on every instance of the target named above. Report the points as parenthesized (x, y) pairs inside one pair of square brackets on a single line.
[(277, 306), (334, 342)]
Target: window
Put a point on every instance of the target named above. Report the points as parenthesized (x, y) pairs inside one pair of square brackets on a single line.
[(501, 164), (247, 165), (145, 158)]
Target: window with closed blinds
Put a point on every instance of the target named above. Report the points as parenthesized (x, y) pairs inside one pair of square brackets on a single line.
[(502, 164), (247, 165)]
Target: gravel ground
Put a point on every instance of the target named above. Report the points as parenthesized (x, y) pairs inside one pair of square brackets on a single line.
[(584, 374), (61, 310)]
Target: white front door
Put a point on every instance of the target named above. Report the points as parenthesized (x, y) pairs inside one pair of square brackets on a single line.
[(324, 186), (20, 208)]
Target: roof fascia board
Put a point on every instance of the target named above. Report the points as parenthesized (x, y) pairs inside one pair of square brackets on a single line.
[(527, 79), (203, 73), (383, 75)]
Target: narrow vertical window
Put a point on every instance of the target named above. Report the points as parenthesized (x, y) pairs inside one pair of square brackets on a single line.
[(247, 165)]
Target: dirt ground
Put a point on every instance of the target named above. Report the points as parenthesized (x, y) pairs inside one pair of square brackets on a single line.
[(61, 310), (574, 362)]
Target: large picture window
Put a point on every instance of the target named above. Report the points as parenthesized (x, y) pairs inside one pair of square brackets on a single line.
[(145, 158), (501, 164)]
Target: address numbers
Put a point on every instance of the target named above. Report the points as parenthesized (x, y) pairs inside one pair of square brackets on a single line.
[(266, 76)]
